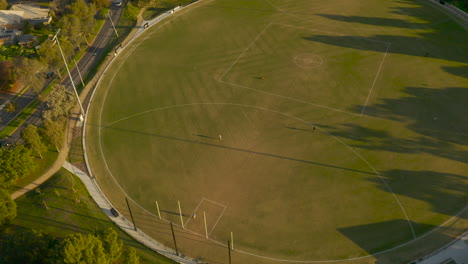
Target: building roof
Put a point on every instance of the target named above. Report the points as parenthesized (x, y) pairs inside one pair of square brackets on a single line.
[(26, 38), (18, 13), (9, 17), (31, 11)]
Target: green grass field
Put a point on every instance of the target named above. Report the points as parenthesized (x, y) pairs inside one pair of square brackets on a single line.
[(341, 124), (66, 216)]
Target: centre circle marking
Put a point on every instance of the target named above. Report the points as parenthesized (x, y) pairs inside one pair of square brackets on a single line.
[(308, 60)]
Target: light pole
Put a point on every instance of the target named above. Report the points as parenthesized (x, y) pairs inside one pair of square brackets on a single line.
[(69, 74)]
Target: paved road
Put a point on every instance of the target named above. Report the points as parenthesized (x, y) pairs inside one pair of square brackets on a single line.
[(90, 58)]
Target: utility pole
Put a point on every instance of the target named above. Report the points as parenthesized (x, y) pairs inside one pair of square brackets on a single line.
[(229, 251), (69, 74), (131, 215), (175, 243)]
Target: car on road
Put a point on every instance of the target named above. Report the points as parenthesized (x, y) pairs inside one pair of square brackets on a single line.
[(4, 143), (118, 3)]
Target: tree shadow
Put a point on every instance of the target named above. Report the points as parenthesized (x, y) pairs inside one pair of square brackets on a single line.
[(461, 71), (438, 119), (445, 192), (389, 242), (436, 115), (412, 46), (394, 22), (376, 237), (442, 39)]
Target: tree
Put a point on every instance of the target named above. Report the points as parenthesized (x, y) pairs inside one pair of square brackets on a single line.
[(100, 4), (27, 246), (78, 248), (49, 55), (54, 132), (131, 12), (78, 22), (7, 77), (7, 208), (27, 27), (112, 244), (15, 162), (28, 72), (85, 13), (33, 139), (30, 246), (59, 103), (131, 257), (3, 4), (71, 29)]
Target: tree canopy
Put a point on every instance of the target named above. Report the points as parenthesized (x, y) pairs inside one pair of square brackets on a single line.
[(131, 257), (78, 248), (7, 77), (7, 208), (15, 162), (53, 130), (112, 244), (27, 246), (59, 103), (102, 248), (28, 72), (3, 4), (33, 139)]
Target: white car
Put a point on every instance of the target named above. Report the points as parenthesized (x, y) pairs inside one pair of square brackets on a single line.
[(118, 3)]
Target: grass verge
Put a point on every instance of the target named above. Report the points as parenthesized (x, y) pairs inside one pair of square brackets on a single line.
[(70, 209)]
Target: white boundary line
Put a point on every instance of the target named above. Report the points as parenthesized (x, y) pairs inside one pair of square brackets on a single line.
[(292, 99), (318, 128), (463, 22), (362, 257), (298, 100), (266, 109), (375, 80), (216, 223), (211, 201), (194, 210), (242, 54)]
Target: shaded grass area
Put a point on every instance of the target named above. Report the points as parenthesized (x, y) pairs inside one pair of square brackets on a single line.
[(76, 154), (70, 209), (462, 4)]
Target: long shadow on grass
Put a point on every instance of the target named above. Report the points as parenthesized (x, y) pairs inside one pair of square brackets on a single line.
[(236, 149), (377, 237), (47, 222), (459, 71), (437, 116), (438, 120), (445, 192), (444, 39), (432, 45)]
